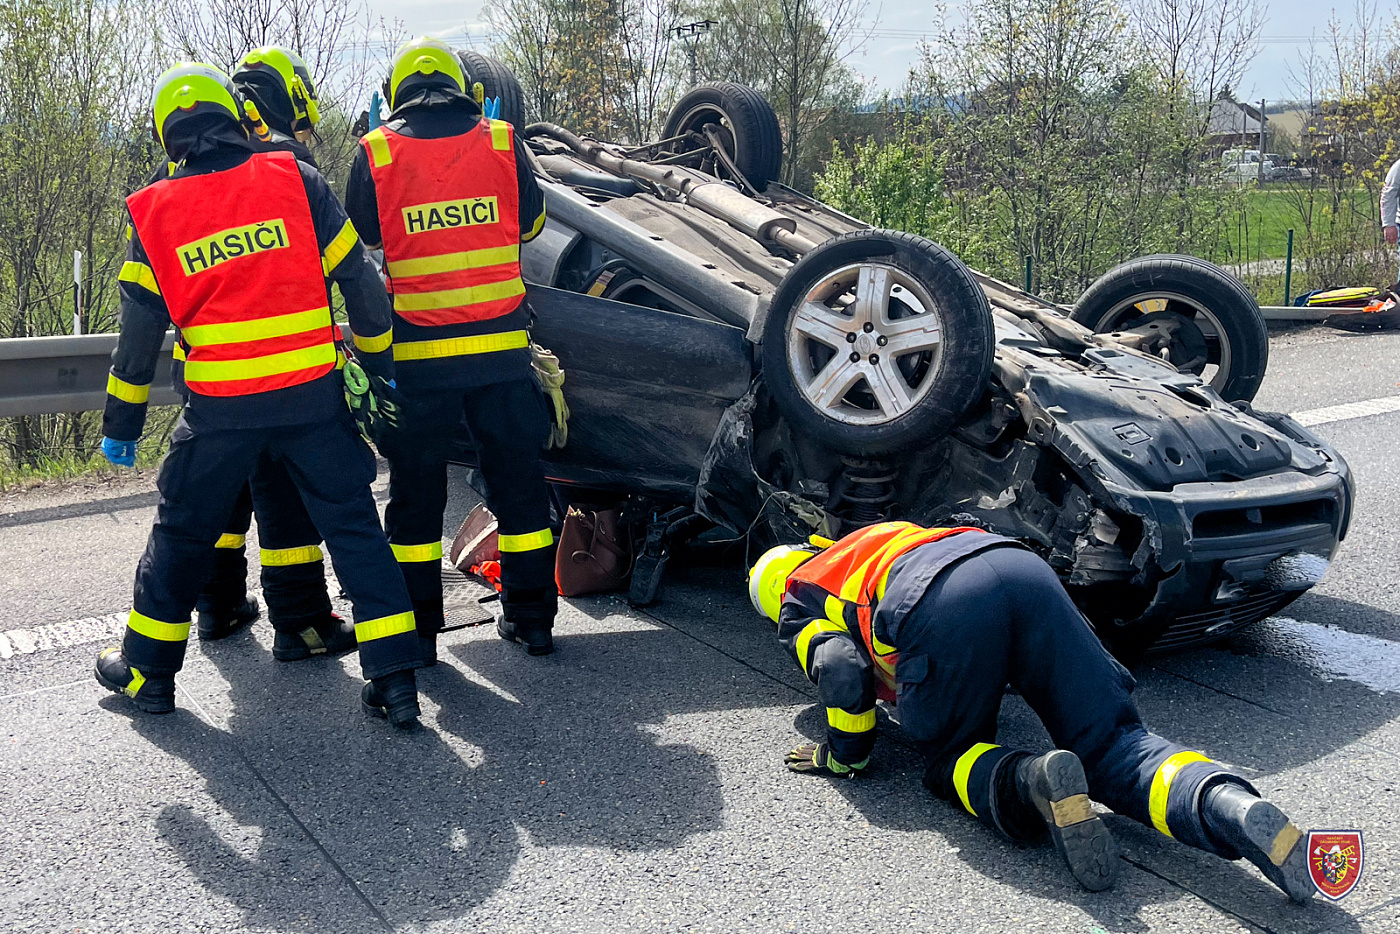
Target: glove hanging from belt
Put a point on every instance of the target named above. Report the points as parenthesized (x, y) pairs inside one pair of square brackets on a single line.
[(550, 378), (375, 403)]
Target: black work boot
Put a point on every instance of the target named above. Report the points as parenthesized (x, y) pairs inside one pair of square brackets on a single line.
[(1054, 784), (329, 635), (527, 617), (153, 695), (395, 697), (1262, 834), (219, 624)]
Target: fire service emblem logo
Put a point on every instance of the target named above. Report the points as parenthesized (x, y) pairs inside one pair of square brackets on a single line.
[(1334, 861)]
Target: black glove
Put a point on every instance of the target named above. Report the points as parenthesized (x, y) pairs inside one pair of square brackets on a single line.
[(815, 757)]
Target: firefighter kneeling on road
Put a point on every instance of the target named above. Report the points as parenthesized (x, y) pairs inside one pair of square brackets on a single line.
[(450, 195), (280, 109), (940, 621), (235, 248)]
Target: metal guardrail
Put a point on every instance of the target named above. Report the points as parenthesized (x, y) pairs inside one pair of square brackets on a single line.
[(42, 375), (68, 373)]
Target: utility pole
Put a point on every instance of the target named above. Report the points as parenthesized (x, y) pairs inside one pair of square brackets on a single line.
[(690, 33), (1262, 103)]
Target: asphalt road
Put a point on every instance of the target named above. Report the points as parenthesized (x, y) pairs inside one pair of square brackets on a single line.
[(632, 781)]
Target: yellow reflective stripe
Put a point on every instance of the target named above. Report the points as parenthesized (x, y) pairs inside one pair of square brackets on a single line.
[(851, 722), (282, 557), (378, 148), (534, 231), (230, 540), (339, 248), (376, 344), (808, 633), (384, 627), (461, 346), (453, 262), (963, 769), (237, 332), (1162, 786), (408, 553), (458, 298), (155, 629), (531, 541), (178, 351), (500, 134), (127, 392), (139, 274), (133, 687), (214, 371)]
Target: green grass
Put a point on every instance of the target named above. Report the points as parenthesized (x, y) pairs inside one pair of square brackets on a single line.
[(1271, 210)]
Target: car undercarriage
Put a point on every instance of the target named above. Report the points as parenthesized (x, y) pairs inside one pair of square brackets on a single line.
[(742, 355)]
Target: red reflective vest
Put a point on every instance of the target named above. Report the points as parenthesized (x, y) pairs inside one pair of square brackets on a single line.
[(236, 259), (449, 213), (856, 568)]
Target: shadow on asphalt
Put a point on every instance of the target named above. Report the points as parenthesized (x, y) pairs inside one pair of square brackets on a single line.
[(430, 823)]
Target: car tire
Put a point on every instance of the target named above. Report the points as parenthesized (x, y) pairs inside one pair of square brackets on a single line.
[(1195, 288), (744, 117), (942, 382), (497, 81)]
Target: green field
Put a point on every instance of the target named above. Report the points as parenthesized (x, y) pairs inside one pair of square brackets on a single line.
[(1269, 211)]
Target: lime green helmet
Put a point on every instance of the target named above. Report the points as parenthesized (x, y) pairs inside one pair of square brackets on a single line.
[(192, 89), (424, 58), (289, 78)]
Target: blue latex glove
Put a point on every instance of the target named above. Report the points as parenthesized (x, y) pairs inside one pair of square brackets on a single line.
[(491, 107), (121, 453), (375, 101)]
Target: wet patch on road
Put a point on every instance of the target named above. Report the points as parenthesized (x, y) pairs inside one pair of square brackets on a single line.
[(1330, 652)]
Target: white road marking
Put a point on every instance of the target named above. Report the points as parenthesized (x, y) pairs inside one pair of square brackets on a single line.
[(61, 635), (1338, 413)]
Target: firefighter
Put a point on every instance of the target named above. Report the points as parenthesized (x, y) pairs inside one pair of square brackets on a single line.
[(235, 248), (450, 196), (279, 104), (939, 622)]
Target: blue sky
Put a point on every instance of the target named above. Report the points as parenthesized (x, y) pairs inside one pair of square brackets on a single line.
[(893, 49)]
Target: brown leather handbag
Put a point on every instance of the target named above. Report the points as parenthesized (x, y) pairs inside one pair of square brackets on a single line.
[(594, 555)]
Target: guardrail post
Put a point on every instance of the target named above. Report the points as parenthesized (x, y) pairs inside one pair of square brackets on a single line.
[(1288, 271), (1030, 270), (77, 291)]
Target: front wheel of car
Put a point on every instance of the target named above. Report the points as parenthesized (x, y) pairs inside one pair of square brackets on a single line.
[(1218, 331), (877, 342), (497, 81), (739, 119)]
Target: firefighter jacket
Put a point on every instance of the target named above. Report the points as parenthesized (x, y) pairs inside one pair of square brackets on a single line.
[(235, 248), (841, 612), (450, 196)]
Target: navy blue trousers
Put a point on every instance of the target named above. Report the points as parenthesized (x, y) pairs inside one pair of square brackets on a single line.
[(200, 481), (1002, 618), (293, 566)]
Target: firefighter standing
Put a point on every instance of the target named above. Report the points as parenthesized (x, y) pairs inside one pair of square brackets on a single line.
[(450, 195), (940, 621), (280, 109), (235, 248)]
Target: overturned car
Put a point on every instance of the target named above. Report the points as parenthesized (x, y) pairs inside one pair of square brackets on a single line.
[(767, 364)]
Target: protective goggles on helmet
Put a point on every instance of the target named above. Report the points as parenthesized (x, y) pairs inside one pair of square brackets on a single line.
[(769, 577), (188, 89), (293, 76), (423, 57)]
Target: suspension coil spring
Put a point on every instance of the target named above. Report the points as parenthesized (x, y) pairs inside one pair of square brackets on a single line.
[(869, 489)]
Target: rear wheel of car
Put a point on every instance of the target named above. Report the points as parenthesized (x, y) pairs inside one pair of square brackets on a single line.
[(1219, 332), (740, 119), (877, 342), (497, 81)]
